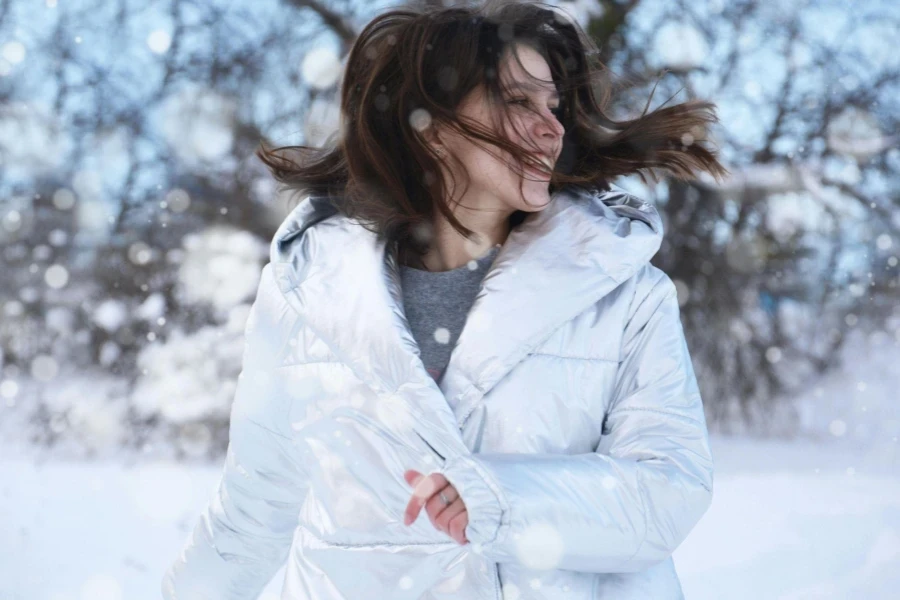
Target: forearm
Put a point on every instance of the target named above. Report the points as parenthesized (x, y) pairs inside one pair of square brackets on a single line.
[(587, 512)]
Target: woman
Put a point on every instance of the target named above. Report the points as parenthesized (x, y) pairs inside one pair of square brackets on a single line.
[(501, 357)]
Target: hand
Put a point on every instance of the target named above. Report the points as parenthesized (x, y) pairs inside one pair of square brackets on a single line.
[(450, 518)]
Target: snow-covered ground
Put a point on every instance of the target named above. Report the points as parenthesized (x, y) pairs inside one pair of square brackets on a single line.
[(789, 520)]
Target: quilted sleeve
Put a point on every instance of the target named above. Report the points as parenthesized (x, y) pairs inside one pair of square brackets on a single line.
[(244, 534), (629, 504)]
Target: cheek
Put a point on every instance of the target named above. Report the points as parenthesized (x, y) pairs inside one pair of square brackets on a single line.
[(489, 170)]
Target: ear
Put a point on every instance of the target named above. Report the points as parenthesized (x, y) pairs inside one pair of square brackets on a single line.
[(433, 141), (435, 138)]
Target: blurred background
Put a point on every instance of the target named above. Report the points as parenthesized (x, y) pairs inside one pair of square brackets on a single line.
[(135, 220)]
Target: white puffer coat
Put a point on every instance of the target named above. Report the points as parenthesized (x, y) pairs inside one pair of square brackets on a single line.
[(569, 420)]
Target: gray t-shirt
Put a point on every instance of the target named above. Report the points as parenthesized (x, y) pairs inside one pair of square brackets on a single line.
[(437, 303)]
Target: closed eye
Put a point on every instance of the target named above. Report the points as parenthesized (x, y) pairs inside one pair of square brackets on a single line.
[(556, 110)]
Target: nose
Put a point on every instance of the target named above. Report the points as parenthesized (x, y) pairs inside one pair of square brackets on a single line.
[(548, 126)]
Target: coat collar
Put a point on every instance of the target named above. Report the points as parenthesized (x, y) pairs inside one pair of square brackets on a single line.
[(553, 266)]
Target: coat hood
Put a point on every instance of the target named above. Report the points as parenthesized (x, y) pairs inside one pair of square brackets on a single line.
[(554, 265)]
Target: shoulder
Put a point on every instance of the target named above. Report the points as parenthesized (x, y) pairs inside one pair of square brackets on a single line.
[(304, 235), (295, 230), (271, 321), (649, 290), (650, 279)]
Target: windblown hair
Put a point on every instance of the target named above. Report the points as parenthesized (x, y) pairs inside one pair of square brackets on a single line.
[(413, 62)]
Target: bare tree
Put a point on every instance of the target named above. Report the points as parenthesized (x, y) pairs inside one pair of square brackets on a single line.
[(118, 139)]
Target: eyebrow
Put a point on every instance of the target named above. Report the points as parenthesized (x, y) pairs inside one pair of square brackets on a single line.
[(533, 88)]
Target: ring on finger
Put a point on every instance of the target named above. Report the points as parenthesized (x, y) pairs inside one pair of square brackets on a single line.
[(447, 496)]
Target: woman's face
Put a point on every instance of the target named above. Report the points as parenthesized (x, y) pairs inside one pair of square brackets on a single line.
[(494, 185)]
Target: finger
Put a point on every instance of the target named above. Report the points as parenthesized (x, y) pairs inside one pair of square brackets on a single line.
[(436, 506), (423, 491), (447, 516), (411, 476), (439, 480), (458, 527)]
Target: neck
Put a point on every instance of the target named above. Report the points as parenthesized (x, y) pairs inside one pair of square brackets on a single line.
[(450, 250)]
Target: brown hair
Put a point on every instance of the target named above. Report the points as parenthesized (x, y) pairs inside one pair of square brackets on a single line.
[(379, 169)]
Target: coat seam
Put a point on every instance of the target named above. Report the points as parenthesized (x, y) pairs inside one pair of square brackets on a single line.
[(310, 362), (264, 427), (667, 413), (588, 358), (374, 544)]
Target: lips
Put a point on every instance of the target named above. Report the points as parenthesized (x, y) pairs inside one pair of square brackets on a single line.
[(537, 173), (547, 161)]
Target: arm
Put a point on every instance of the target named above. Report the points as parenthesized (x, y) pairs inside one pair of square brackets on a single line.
[(629, 504), (243, 536)]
